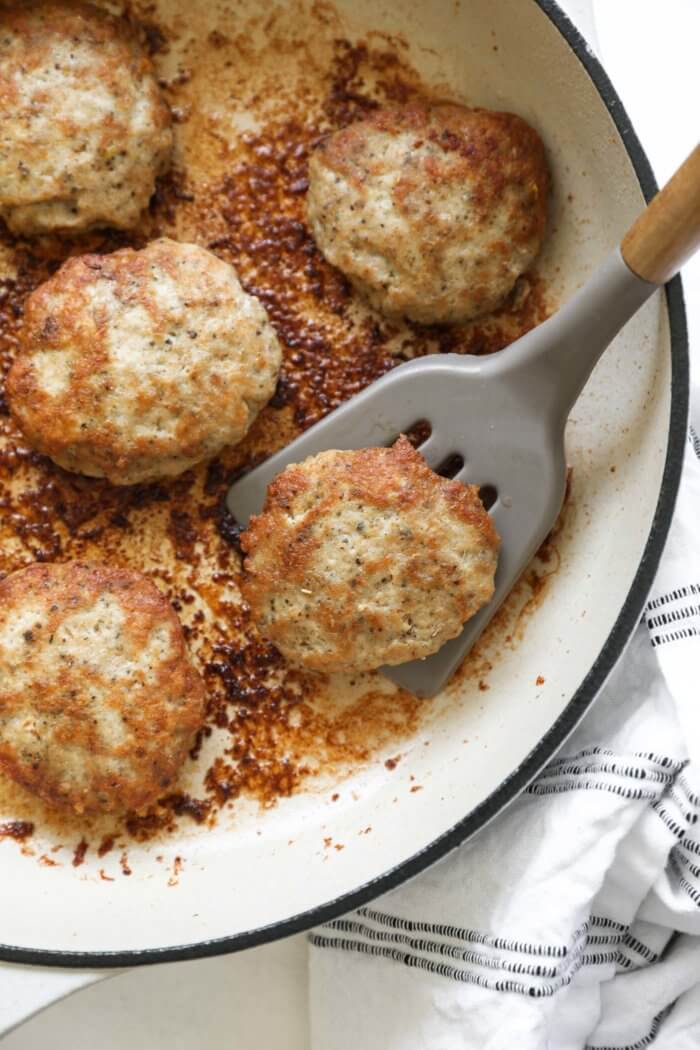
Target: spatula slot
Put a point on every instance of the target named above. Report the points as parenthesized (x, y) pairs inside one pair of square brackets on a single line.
[(450, 466), (418, 433), (488, 494)]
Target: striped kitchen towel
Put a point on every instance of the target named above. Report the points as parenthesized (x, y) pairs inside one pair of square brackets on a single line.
[(573, 920)]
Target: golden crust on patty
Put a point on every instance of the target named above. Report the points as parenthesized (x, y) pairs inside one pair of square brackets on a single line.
[(365, 558), (432, 210), (139, 364), (84, 129), (99, 704)]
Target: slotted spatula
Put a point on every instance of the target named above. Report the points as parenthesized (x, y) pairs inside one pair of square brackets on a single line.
[(505, 414)]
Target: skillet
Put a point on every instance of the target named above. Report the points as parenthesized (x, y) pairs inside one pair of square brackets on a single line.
[(379, 811)]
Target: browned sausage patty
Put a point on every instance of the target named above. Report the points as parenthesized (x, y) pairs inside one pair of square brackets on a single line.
[(83, 128), (98, 701), (139, 364), (432, 210), (367, 558)]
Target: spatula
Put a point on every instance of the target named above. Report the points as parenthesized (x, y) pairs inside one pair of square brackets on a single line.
[(504, 414)]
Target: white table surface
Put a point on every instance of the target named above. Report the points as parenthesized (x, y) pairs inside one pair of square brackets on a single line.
[(258, 999)]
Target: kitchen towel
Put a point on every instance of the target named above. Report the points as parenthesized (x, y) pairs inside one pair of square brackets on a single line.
[(573, 920)]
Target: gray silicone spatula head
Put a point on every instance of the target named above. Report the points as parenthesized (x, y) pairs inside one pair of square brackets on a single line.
[(502, 415)]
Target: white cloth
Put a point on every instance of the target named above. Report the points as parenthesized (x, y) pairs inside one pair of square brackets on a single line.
[(573, 920), (552, 928)]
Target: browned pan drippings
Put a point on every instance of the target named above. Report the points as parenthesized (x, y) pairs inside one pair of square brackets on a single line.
[(238, 188)]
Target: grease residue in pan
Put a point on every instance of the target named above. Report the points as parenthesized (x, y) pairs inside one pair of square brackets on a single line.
[(250, 100)]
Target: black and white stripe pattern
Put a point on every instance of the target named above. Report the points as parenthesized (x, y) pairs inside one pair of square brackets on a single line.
[(535, 969), (633, 954), (657, 779), (617, 946), (686, 878), (472, 957), (691, 589), (640, 775), (679, 808), (646, 1040), (676, 636), (468, 956), (674, 615)]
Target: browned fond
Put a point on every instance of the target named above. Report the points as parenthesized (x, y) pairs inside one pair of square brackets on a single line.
[(269, 728)]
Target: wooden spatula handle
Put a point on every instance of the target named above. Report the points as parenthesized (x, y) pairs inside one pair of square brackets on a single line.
[(668, 231)]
